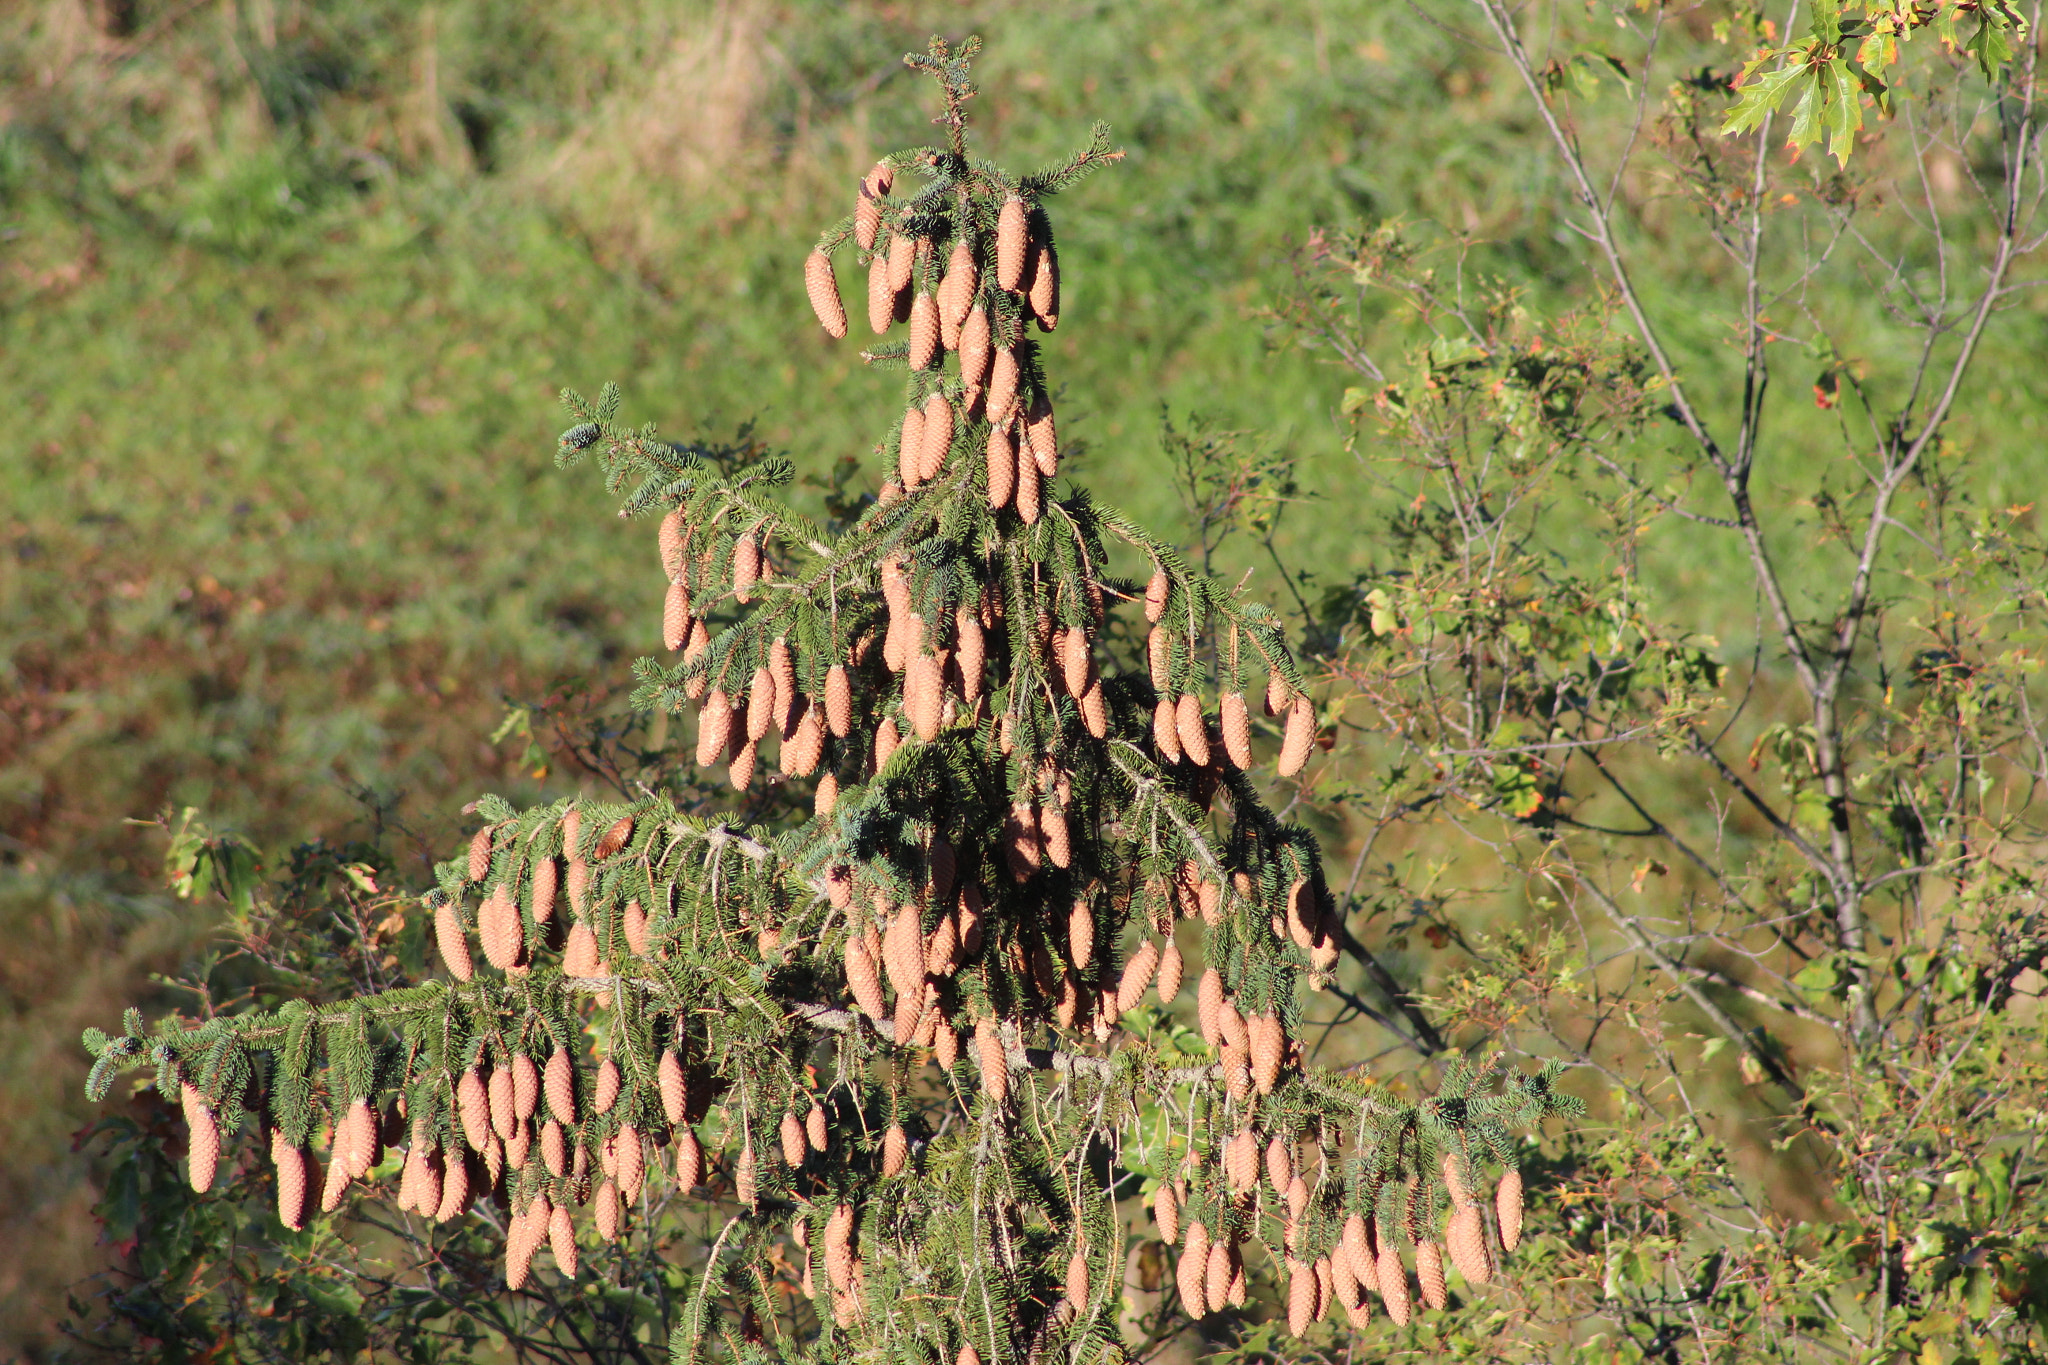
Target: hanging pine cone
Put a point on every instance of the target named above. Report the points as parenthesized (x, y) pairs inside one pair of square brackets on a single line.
[(1080, 935), (560, 1085), (977, 350), (473, 1108), (1268, 1041), (498, 1095), (924, 330), (1391, 1279), (293, 1179), (910, 448), (562, 1241), (1076, 662), (1465, 1238), (1279, 1167), (823, 288), (1301, 1297), (970, 652), (1159, 658), (1216, 1277), (675, 1090), (1077, 1281), (1191, 731), (957, 289), (546, 874), (1209, 1006), (1429, 1273), (1237, 732), (609, 1082), (995, 1065), (1137, 975), (1029, 496), (670, 539), (1012, 243), (1000, 401), (689, 1159), (838, 701), (881, 297), (862, 979), (202, 1156), (937, 437), (1166, 1213), (714, 728), (1043, 435), (1170, 969), (1166, 730), (1002, 466), (579, 955), (1191, 1274), (454, 946), (1507, 1207), (793, 1146), (1301, 733), (480, 854), (1053, 835), (867, 209), (902, 262), (1045, 286), (895, 1151), (745, 1175), (746, 568)]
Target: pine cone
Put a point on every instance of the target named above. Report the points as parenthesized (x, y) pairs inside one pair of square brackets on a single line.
[(1040, 431), (1170, 970), (903, 951), (554, 1149), (895, 1151), (744, 1176), (454, 946), (498, 930), (1209, 1006), (675, 616), (1191, 1274), (1507, 1207), (1193, 734), (605, 1211), (823, 288), (670, 540), (970, 652), (473, 1107), (1053, 834), (1301, 1297), (1344, 1285), (924, 330), (956, 290), (560, 1084), (1030, 495), (499, 1099), (1301, 733), (1075, 659), (1166, 1213), (1077, 1281), (1159, 658), (1268, 1038), (455, 1189), (1279, 1167), (1208, 902), (1166, 730), (546, 877), (867, 212), (1276, 693), (1002, 466), (977, 349), (293, 1178), (675, 1088), (1001, 399), (968, 1356), (1391, 1279), (881, 298), (634, 922), (814, 1128), (1137, 976), (995, 1065), (562, 1241), (1237, 732), (335, 1185), (862, 980), (579, 955), (1012, 242), (202, 1159), (700, 642), (803, 751), (609, 1083), (1429, 1273), (945, 1046), (792, 1134), (970, 911), (1045, 287), (689, 1159), (1216, 1277), (480, 854), (1465, 1238), (902, 262), (1095, 709), (746, 571), (714, 728), (632, 1162), (839, 1247), (1080, 935)]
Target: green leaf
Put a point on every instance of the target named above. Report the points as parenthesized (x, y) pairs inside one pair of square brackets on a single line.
[(1806, 117), (1841, 93), (1761, 93)]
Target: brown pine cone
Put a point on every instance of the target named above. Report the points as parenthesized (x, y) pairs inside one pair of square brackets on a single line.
[(1237, 731), (1192, 732), (1166, 730), (1002, 466), (823, 288), (293, 1179), (560, 1085), (838, 701), (1159, 658), (1429, 1273), (977, 349), (1191, 1274), (744, 1177), (1391, 1279), (895, 1151), (1095, 709), (792, 1134), (562, 1241), (1012, 242), (1137, 975), (902, 262), (579, 955), (1268, 1039), (903, 951), (689, 1159), (862, 980), (924, 331), (1043, 435), (634, 922), (1465, 1238), (675, 616), (473, 1108), (1216, 1277), (956, 290), (454, 946), (867, 210), (1077, 1281), (1301, 734), (546, 877), (674, 1085), (1166, 1213), (1279, 1167), (746, 568), (1156, 591), (1045, 287), (670, 540), (605, 1214), (714, 728), (995, 1065), (1030, 495), (1209, 1006), (609, 1083), (1301, 1297), (202, 1157), (1170, 970), (1000, 401), (480, 854), (881, 298), (1507, 1207), (554, 1149), (498, 1094), (910, 448), (1081, 935)]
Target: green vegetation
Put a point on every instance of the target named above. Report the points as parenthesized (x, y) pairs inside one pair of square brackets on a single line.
[(287, 291)]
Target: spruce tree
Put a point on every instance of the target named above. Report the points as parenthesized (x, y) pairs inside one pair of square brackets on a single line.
[(892, 1039)]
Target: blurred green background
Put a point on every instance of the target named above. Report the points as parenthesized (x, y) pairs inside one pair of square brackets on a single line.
[(287, 290)]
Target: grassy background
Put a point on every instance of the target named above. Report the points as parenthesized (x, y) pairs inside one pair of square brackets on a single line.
[(287, 290)]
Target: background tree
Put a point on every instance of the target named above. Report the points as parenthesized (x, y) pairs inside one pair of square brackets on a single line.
[(1004, 844)]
